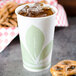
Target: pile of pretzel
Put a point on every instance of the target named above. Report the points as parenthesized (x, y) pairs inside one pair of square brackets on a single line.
[(7, 15), (64, 68)]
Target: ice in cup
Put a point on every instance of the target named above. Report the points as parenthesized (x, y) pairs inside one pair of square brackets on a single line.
[(36, 33), (37, 10)]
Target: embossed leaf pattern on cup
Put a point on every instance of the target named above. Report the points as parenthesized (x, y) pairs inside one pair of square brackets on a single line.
[(34, 41), (25, 55), (46, 51)]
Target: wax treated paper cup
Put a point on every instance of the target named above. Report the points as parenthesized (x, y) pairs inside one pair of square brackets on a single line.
[(36, 38)]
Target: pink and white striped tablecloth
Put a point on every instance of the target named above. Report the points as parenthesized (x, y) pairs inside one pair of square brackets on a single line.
[(7, 35)]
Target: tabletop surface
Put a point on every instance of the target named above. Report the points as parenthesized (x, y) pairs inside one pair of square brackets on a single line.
[(64, 48)]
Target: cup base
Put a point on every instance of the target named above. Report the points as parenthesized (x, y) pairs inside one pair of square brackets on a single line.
[(36, 70)]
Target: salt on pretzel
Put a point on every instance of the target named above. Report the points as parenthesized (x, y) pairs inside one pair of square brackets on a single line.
[(64, 68)]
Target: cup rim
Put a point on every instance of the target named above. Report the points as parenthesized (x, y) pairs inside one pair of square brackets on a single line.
[(53, 7)]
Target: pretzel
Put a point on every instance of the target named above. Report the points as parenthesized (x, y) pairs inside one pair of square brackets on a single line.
[(71, 70), (0, 26), (8, 17), (8, 3), (58, 70), (13, 9), (14, 16), (2, 11), (7, 24), (64, 68), (43, 1), (13, 22), (3, 17)]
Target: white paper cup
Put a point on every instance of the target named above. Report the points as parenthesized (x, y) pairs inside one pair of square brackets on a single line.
[(36, 38)]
